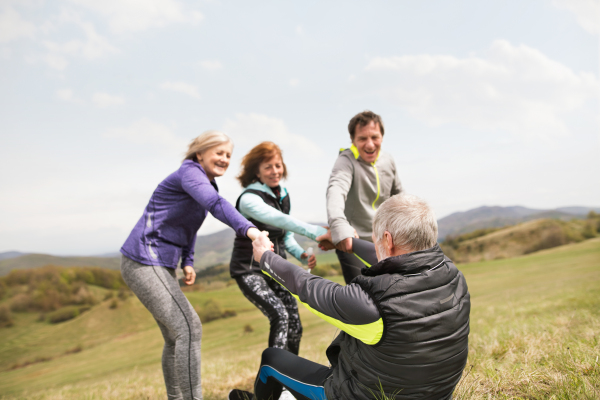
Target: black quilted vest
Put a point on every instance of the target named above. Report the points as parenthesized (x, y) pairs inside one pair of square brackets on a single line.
[(241, 258), (424, 302)]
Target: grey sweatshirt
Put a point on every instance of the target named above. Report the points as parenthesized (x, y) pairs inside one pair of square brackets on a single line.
[(356, 188)]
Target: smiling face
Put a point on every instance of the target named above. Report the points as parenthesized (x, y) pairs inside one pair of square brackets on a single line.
[(215, 160), (367, 140), (271, 171)]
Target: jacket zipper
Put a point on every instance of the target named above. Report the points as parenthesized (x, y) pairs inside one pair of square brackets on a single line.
[(276, 239), (378, 186)]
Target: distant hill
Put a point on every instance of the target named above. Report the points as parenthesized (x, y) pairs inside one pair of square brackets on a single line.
[(496, 217), (40, 260), (112, 254), (10, 254), (524, 238), (578, 210), (215, 249)]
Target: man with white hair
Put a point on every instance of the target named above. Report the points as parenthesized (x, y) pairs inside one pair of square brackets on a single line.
[(404, 320)]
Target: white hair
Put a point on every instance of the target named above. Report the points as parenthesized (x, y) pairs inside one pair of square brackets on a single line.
[(409, 220), (204, 142)]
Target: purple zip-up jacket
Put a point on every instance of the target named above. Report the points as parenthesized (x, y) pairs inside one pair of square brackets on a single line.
[(167, 230)]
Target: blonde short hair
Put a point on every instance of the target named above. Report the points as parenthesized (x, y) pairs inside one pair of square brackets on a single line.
[(204, 142)]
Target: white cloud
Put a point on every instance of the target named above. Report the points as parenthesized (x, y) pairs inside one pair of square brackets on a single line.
[(587, 13), (516, 88), (104, 100), (181, 87), (211, 65), (55, 61), (139, 15), (147, 132), (94, 46), (65, 95), (12, 26), (294, 82), (251, 129), (299, 30)]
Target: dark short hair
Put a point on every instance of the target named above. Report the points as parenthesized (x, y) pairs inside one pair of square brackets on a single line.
[(363, 119), (251, 162)]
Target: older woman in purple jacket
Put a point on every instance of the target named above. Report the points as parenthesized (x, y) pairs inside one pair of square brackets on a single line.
[(166, 233)]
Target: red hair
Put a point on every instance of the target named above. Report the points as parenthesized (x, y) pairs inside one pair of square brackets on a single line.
[(251, 162)]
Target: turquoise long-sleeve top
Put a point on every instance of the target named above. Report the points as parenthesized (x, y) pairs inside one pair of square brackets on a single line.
[(252, 206)]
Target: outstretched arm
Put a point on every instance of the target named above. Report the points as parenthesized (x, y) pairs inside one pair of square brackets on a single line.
[(349, 308), (254, 207), (292, 246), (197, 185)]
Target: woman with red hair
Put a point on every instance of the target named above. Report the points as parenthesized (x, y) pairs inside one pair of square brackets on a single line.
[(266, 203)]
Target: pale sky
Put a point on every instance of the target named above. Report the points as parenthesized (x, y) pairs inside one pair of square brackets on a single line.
[(484, 103)]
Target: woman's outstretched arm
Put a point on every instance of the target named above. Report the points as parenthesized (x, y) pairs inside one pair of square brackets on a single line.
[(254, 207), (195, 182)]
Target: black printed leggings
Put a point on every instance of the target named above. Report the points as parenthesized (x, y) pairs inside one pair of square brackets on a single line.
[(277, 304)]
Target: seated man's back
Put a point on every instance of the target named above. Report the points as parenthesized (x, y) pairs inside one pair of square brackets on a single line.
[(424, 304)]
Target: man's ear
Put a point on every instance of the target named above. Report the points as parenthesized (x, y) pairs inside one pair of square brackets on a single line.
[(389, 242)]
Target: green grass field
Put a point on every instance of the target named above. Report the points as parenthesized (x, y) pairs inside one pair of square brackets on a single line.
[(535, 332)]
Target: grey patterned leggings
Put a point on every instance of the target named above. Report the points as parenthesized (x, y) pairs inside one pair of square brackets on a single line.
[(277, 304), (158, 290)]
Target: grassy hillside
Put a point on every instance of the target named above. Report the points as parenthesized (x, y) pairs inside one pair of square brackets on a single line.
[(534, 334), (525, 238), (39, 260), (497, 217), (534, 326)]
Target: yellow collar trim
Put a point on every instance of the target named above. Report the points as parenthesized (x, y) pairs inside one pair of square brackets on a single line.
[(354, 150)]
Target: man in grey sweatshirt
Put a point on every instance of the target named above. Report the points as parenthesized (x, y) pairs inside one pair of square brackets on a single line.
[(362, 178)]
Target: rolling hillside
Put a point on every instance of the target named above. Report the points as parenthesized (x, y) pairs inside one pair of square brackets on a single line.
[(534, 324), (215, 249), (497, 217), (40, 260), (520, 239)]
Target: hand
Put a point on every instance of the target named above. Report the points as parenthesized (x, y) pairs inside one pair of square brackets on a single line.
[(260, 245), (190, 275), (312, 260), (326, 245), (345, 245), (325, 241), (252, 233)]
